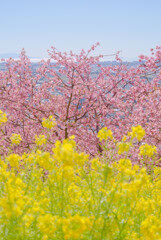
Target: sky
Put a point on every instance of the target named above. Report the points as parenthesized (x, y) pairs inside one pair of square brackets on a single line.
[(130, 26)]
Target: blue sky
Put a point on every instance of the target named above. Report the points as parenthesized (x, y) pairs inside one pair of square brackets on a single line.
[(131, 26)]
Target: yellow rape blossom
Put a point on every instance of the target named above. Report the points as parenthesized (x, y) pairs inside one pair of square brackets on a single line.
[(64, 153), (68, 195), (48, 224), (137, 132), (14, 160), (74, 226), (124, 138), (72, 137), (48, 122), (40, 140), (3, 118), (16, 138), (123, 147), (44, 159), (96, 164), (104, 134), (147, 150), (151, 228), (28, 219)]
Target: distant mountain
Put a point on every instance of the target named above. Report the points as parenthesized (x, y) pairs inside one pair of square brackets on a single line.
[(36, 60), (95, 68)]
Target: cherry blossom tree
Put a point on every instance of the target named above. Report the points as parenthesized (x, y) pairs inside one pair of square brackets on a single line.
[(81, 102)]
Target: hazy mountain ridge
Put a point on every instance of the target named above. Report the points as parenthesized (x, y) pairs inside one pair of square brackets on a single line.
[(95, 69)]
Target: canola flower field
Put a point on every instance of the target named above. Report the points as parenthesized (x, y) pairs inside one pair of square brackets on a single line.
[(67, 195)]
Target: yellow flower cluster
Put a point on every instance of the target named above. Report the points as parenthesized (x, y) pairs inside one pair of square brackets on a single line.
[(66, 154), (3, 118), (16, 138), (48, 122), (123, 147), (104, 134), (151, 227), (40, 140), (64, 194), (75, 226), (14, 160), (44, 160), (147, 150), (48, 225), (137, 132), (77, 198)]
